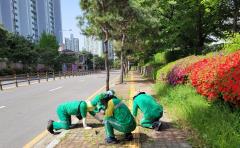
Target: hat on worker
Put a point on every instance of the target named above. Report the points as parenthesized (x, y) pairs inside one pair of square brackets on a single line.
[(110, 93), (137, 93)]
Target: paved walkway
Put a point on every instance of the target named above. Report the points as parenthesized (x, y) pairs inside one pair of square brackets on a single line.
[(168, 137)]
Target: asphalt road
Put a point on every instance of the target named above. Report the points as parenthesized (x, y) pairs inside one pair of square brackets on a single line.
[(24, 111)]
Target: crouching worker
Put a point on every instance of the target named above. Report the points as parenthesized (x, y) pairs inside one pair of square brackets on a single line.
[(118, 117), (64, 112), (96, 104), (152, 111)]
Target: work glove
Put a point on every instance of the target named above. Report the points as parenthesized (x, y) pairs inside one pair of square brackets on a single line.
[(87, 127)]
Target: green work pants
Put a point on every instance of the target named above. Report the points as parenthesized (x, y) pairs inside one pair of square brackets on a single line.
[(65, 119), (148, 121), (111, 124)]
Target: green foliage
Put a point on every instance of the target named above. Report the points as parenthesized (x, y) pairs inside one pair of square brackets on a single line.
[(117, 64), (162, 72), (99, 62), (88, 59), (48, 41), (215, 125), (177, 53), (7, 71), (160, 58), (48, 50), (65, 58), (233, 44), (3, 43), (21, 50), (15, 48), (188, 25), (61, 59)]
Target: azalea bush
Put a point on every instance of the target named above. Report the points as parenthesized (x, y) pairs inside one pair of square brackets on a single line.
[(217, 77), (179, 74), (214, 77), (203, 76), (229, 78)]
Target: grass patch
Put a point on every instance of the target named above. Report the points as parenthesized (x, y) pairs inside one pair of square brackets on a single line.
[(213, 124)]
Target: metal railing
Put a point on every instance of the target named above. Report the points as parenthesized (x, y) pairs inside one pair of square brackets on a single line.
[(29, 77)]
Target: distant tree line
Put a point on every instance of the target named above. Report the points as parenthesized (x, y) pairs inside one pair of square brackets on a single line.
[(19, 49)]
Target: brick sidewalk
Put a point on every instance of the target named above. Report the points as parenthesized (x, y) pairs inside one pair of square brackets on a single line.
[(167, 137)]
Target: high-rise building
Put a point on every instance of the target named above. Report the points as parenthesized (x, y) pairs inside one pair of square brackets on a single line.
[(93, 45), (96, 47), (8, 15), (32, 17), (76, 44), (72, 43)]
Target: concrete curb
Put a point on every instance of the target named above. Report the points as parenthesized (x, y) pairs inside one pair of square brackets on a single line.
[(57, 139)]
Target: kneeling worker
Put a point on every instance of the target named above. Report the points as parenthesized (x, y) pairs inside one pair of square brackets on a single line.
[(64, 112), (96, 104), (152, 111), (117, 116)]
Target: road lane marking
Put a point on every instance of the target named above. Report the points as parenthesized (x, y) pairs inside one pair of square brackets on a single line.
[(45, 132), (2, 107), (36, 139), (56, 88)]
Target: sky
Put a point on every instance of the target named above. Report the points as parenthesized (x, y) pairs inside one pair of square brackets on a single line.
[(70, 10)]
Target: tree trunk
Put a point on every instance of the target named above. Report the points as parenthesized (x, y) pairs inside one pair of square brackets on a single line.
[(235, 16), (122, 60), (105, 30), (106, 64), (126, 66)]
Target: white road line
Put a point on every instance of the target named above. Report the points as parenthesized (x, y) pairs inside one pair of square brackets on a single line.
[(2, 107), (56, 88)]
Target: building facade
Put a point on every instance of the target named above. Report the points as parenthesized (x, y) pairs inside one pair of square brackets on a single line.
[(93, 45), (72, 43), (30, 18), (96, 47)]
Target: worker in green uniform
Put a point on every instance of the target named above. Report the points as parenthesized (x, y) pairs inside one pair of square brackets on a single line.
[(151, 110), (64, 112), (95, 102), (117, 116)]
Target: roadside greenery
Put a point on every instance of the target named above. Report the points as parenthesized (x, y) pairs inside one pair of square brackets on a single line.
[(211, 124), (201, 94), (233, 44), (18, 49)]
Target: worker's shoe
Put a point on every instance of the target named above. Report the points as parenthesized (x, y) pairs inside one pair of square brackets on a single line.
[(50, 126), (157, 125), (128, 137), (111, 140)]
